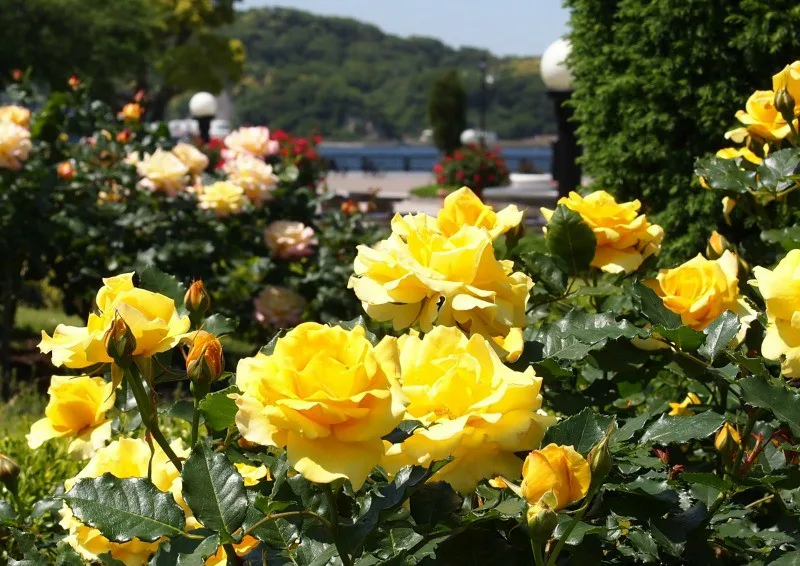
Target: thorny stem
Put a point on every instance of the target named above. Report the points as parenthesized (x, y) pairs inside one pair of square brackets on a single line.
[(334, 519), (565, 535)]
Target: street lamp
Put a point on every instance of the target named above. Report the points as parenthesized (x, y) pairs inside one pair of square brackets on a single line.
[(203, 107), (559, 82), (487, 80)]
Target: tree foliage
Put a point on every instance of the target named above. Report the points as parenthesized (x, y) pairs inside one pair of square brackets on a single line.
[(657, 82), (447, 111), (350, 79)]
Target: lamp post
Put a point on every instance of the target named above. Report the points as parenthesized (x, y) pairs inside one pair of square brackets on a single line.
[(486, 81), (203, 107), (559, 82)]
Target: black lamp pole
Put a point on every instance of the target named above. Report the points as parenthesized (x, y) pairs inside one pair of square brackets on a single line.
[(564, 165), (204, 125)]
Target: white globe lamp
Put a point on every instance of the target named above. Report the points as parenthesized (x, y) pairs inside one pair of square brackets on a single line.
[(553, 67), (203, 107)]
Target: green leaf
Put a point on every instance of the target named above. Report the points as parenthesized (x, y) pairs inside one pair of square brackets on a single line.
[(705, 478), (269, 347), (219, 325), (779, 170), (644, 543), (215, 491), (685, 338), (788, 238), (184, 551), (725, 174), (545, 271), (774, 396), (570, 239), (27, 545), (719, 334), (592, 328), (581, 431), (683, 428), (655, 311), (153, 279), (580, 530), (218, 409), (787, 559), (125, 508)]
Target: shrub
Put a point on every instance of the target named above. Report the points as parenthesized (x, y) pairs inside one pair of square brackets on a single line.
[(656, 83), (473, 166)]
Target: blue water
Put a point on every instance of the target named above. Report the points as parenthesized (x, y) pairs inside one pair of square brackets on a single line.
[(423, 158)]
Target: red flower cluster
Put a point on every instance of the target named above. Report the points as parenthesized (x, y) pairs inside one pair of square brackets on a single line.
[(302, 153), (472, 165)]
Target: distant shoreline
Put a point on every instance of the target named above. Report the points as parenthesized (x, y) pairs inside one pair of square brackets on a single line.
[(539, 141)]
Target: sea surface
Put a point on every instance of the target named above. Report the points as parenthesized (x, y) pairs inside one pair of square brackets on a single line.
[(423, 158)]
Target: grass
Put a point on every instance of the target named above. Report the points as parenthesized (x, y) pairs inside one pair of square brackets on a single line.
[(430, 191), (32, 321)]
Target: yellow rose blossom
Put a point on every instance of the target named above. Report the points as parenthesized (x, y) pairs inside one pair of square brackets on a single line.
[(124, 458), (780, 288), (464, 207), (278, 307), (15, 145), (254, 176), (18, 115), (471, 406), (162, 171), (223, 197), (327, 395), (152, 318), (624, 237), (242, 549), (131, 112), (557, 469), (701, 289), (761, 118), (289, 239), (253, 141), (734, 152), (419, 277), (788, 77), (194, 159), (682, 409), (77, 407), (252, 474)]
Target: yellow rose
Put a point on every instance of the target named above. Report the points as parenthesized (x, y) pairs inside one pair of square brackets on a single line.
[(781, 291), (420, 277), (761, 117), (789, 78), (253, 141), (557, 469), (223, 197), (701, 289), (131, 112), (15, 145), (242, 549), (464, 207), (162, 171), (18, 115), (252, 474), (77, 407), (194, 159), (624, 237), (152, 318), (253, 175), (682, 409), (289, 239), (734, 152), (124, 458), (278, 307), (327, 395), (472, 407)]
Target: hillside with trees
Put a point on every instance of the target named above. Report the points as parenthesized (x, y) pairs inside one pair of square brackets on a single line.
[(350, 80)]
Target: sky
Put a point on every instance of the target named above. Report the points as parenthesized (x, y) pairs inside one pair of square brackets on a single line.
[(505, 27)]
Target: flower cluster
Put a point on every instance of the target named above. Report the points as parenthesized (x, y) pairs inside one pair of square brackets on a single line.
[(303, 153), (472, 165)]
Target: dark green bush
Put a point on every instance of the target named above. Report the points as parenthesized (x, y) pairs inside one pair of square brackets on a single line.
[(658, 83), (447, 111)]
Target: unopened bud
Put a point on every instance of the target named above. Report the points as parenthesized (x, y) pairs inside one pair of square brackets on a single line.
[(542, 521), (599, 459), (9, 472), (717, 245), (74, 82), (119, 340), (205, 361), (784, 103), (197, 300), (727, 441)]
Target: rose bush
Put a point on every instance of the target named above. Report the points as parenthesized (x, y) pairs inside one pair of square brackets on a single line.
[(436, 441)]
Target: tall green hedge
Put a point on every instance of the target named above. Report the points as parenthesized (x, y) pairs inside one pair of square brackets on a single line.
[(658, 83)]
